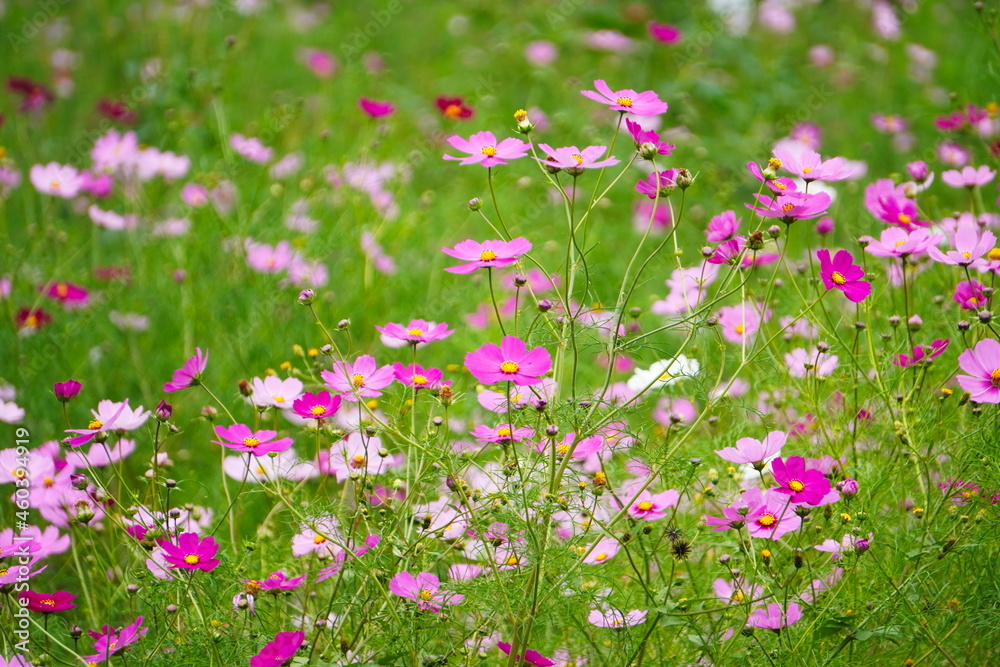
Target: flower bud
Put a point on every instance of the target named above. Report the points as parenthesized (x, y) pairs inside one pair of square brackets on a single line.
[(894, 321), (164, 411), (66, 390), (524, 124), (824, 226), (985, 316), (755, 240), (918, 171), (684, 179), (79, 481), (774, 231), (544, 305), (848, 487), (914, 323), (343, 324), (306, 297), (475, 204), (552, 430)]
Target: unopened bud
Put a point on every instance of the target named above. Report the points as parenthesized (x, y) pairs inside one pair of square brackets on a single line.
[(306, 297)]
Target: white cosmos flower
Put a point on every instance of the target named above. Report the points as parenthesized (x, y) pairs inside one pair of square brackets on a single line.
[(663, 373)]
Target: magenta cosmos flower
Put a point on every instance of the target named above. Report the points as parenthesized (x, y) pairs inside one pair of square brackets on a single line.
[(530, 657), (190, 553), (415, 375), (49, 603), (969, 294), (774, 616), (764, 515), (646, 103), (754, 452), (658, 184), (511, 361), (240, 438), (320, 405), (417, 331), (482, 148), (424, 589), (67, 390), (791, 206), (363, 378), (279, 650), (575, 160), (983, 363), (664, 32), (110, 643), (488, 254), (189, 375), (67, 294), (843, 274), (647, 142), (922, 353), (375, 108), (503, 434), (802, 485)]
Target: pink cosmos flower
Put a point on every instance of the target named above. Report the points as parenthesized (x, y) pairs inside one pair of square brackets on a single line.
[(48, 603), (809, 166), (250, 148), (646, 103), (723, 227), (482, 148), (765, 515), (375, 108), (754, 452), (530, 657), (574, 160), (509, 362), (274, 392), (969, 246), (952, 154), (922, 353), (647, 142), (280, 650), (190, 552), (803, 485), (969, 177), (194, 195), (55, 179), (189, 375), (357, 454), (613, 41), (740, 323), (843, 274), (736, 591), (847, 544), (67, 294), (603, 551), (269, 259), (728, 252), (240, 438), (791, 206), (969, 294), (321, 63), (424, 589), (774, 616), (417, 331), (889, 203), (363, 378), (415, 375), (983, 363), (503, 434), (320, 405), (650, 506), (658, 184), (109, 643), (104, 420), (664, 32), (488, 254), (801, 361), (897, 242), (612, 618)]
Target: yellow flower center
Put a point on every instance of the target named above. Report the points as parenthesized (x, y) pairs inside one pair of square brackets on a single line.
[(317, 410), (419, 379), (358, 461), (624, 101), (774, 163), (995, 377), (49, 602), (488, 151), (509, 367), (767, 520), (740, 328), (645, 506), (503, 432), (737, 596), (967, 254), (191, 559), (278, 399), (994, 254), (973, 301), (513, 561), (600, 557), (562, 449), (54, 185), (250, 442), (415, 332), (520, 115), (838, 278), (796, 486), (578, 158), (357, 379), (487, 256), (20, 473), (425, 594), (903, 218), (900, 242), (48, 482), (62, 289), (806, 170), (787, 207), (665, 377), (95, 424), (31, 321), (780, 185), (453, 111), (261, 471), (319, 539)]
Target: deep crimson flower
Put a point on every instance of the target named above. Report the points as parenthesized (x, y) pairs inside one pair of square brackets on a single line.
[(530, 657), (482, 148), (646, 103), (35, 94), (48, 603), (279, 650), (240, 438), (188, 375), (453, 107), (374, 108), (983, 362), (65, 391), (488, 254), (509, 362), (320, 405), (31, 319), (117, 111), (843, 274), (801, 484), (190, 553)]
